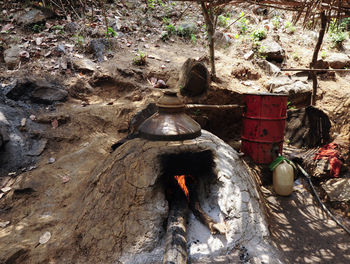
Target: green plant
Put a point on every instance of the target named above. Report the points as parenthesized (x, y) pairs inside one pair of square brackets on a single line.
[(185, 32), (243, 24), (38, 28), (223, 21), (336, 32), (276, 22), (295, 56), (197, 112), (323, 54), (140, 59), (289, 27), (58, 29), (164, 36), (193, 39), (79, 40), (290, 106), (171, 29), (261, 52), (338, 39), (166, 20), (111, 32), (259, 34)]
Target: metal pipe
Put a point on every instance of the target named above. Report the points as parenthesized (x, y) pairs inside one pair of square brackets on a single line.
[(307, 176), (175, 238)]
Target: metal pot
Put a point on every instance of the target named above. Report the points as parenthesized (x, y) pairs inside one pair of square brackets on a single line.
[(170, 122)]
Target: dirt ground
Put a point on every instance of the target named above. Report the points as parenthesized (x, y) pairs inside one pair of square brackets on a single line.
[(100, 118)]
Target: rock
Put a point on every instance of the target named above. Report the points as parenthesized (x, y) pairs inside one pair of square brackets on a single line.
[(272, 50), (248, 55), (71, 27), (293, 88), (98, 47), (223, 39), (186, 29), (48, 95), (194, 78), (38, 91), (269, 67), (60, 48), (338, 60), (12, 57), (79, 89), (37, 147), (84, 65), (338, 190), (34, 16)]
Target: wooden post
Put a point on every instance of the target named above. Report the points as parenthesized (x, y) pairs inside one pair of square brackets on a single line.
[(209, 21), (315, 55)]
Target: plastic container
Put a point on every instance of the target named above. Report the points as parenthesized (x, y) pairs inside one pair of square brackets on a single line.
[(283, 178), (263, 126)]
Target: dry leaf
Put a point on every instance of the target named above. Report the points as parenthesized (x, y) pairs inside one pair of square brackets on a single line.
[(23, 122), (65, 179), (4, 224), (6, 189), (54, 124), (7, 27)]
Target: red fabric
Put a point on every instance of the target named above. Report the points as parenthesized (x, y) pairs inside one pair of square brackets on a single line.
[(329, 152)]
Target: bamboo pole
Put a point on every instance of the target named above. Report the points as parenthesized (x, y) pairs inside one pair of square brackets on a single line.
[(316, 70), (210, 107)]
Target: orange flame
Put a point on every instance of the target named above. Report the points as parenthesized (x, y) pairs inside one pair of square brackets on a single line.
[(181, 180)]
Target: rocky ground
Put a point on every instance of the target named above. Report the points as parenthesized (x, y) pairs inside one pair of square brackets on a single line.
[(69, 91)]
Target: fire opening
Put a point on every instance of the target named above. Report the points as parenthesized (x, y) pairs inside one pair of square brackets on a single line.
[(181, 172)]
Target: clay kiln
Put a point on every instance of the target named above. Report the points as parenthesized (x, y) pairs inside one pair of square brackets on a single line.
[(125, 210)]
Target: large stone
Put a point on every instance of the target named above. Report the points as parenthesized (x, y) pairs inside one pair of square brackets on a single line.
[(32, 17), (338, 60), (272, 50), (38, 91), (48, 95), (293, 88), (84, 65), (338, 190), (12, 57), (269, 67)]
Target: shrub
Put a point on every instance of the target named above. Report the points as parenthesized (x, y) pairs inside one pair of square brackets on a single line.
[(276, 22), (140, 59), (243, 24), (259, 34), (223, 21), (289, 27)]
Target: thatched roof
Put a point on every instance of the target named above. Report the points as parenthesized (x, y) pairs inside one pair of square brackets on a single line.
[(308, 9)]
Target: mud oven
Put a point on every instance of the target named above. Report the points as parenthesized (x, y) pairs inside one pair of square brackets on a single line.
[(177, 194)]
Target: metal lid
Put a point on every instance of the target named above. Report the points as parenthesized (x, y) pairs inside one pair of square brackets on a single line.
[(170, 122)]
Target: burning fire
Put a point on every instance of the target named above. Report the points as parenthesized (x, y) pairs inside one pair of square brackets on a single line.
[(181, 181)]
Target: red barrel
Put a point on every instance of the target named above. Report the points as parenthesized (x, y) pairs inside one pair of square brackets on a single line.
[(263, 126)]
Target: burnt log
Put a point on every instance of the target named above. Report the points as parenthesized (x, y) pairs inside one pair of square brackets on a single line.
[(175, 240), (194, 78)]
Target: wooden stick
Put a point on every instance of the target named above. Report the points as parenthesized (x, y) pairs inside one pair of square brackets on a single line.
[(210, 107), (315, 70), (175, 238)]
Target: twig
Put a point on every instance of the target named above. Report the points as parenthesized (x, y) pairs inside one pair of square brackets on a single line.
[(182, 13)]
